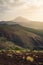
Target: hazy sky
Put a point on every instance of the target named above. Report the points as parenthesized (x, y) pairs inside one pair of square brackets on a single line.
[(30, 9)]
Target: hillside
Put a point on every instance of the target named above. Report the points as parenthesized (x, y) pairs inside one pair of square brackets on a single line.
[(21, 36)]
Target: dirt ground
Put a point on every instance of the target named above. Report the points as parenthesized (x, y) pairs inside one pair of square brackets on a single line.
[(10, 58)]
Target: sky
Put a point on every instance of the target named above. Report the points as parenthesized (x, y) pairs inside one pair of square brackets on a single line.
[(30, 9)]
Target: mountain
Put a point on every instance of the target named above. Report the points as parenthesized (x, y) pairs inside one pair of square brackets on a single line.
[(20, 36), (28, 23), (20, 19)]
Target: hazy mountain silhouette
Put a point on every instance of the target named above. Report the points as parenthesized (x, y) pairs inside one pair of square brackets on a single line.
[(28, 23)]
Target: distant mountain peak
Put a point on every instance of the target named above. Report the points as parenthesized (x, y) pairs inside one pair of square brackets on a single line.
[(20, 19), (28, 23)]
